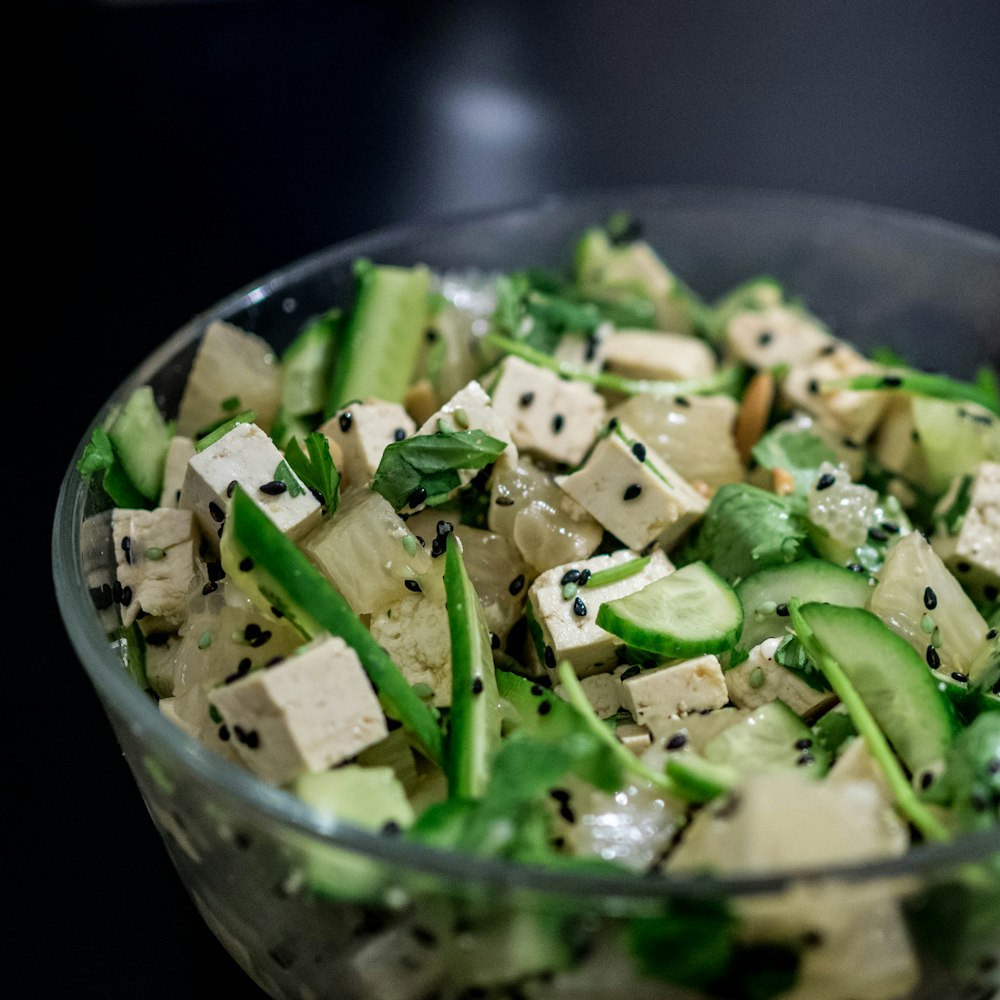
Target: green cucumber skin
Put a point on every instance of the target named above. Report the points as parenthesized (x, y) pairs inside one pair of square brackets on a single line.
[(307, 366), (280, 575), (382, 336), (810, 580), (474, 733), (892, 680), (650, 636), (140, 437)]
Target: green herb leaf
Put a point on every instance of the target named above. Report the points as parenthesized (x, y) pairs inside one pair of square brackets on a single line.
[(800, 452), (432, 462), (98, 454), (316, 469), (792, 656), (284, 474)]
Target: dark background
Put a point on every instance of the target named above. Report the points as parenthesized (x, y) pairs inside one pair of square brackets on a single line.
[(184, 149)]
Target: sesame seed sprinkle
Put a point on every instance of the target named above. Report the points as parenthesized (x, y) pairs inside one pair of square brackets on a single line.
[(632, 491), (216, 512), (273, 488), (477, 685), (516, 585), (677, 741), (412, 585), (558, 422), (639, 450), (579, 608), (825, 481), (570, 576), (930, 599), (933, 660), (345, 420), (526, 399)]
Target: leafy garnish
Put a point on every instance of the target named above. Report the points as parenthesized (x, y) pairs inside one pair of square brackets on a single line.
[(799, 452), (284, 474), (621, 571), (792, 656), (428, 465), (99, 456), (316, 469)]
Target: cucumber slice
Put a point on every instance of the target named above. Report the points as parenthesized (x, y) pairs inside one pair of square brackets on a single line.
[(474, 734), (687, 613), (382, 337), (307, 364), (140, 437), (770, 738), (766, 593), (698, 779), (891, 679)]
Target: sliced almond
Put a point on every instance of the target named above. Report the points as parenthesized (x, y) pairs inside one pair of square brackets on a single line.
[(754, 412)]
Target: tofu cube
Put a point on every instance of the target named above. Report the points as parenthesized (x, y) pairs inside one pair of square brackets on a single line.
[(652, 354), (760, 679), (776, 335), (584, 353), (971, 547), (632, 492), (602, 691), (655, 696), (896, 442), (363, 431), (565, 634), (245, 455), (414, 632), (155, 564), (309, 712), (548, 416), (852, 413)]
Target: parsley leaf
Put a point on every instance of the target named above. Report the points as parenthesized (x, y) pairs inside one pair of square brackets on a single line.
[(315, 469), (799, 452), (432, 463)]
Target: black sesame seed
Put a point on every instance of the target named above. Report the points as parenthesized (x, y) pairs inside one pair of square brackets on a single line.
[(567, 813), (892, 381), (764, 338), (209, 588), (992, 634), (570, 576), (856, 567), (544, 707), (825, 481), (963, 567), (781, 610), (215, 570), (639, 450), (677, 741), (494, 640), (126, 595), (477, 685), (990, 592), (221, 529), (277, 612), (579, 608), (682, 401), (584, 578), (246, 564), (417, 497), (804, 760), (252, 740), (216, 511), (926, 780), (630, 672), (127, 549), (550, 658), (516, 585), (631, 491), (930, 599), (390, 828), (590, 352), (803, 744), (273, 488), (504, 501), (251, 631), (957, 675), (933, 660), (813, 387), (230, 487), (527, 398), (259, 641), (116, 592), (398, 434), (850, 443), (412, 585), (537, 690), (558, 422), (613, 424), (877, 535), (891, 527), (345, 420), (224, 733)]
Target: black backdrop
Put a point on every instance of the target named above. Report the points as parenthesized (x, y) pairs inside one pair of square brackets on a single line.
[(186, 148)]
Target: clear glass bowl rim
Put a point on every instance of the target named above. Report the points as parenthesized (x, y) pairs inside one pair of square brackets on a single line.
[(119, 693)]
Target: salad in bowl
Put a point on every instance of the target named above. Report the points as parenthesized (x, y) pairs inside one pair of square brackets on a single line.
[(554, 625)]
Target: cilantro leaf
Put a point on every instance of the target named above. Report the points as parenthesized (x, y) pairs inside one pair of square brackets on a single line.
[(432, 463), (316, 469), (800, 452), (99, 456)]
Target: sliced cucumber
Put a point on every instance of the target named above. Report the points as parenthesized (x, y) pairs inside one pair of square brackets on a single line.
[(891, 679), (140, 437), (698, 779), (475, 719), (382, 336), (307, 364), (687, 613), (766, 593)]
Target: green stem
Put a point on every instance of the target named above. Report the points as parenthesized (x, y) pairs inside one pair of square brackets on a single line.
[(628, 760), (906, 800), (922, 384), (725, 380)]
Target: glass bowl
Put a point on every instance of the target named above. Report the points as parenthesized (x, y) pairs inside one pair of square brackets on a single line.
[(397, 920)]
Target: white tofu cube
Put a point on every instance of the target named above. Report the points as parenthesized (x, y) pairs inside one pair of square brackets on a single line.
[(654, 696), (776, 335), (245, 455), (309, 712), (155, 564), (179, 452), (584, 353), (630, 490), (602, 691), (565, 633), (652, 354), (548, 416), (852, 413), (363, 431), (971, 546), (414, 632), (760, 679)]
